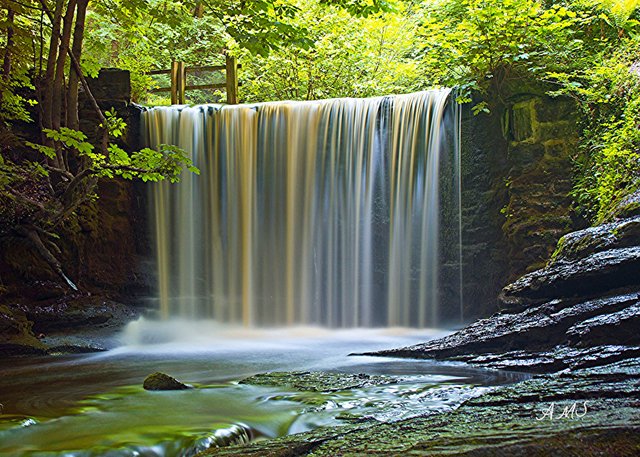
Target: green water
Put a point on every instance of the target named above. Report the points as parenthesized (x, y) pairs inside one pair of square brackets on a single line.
[(94, 404)]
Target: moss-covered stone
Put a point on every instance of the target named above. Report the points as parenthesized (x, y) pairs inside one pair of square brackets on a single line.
[(318, 381), (162, 381)]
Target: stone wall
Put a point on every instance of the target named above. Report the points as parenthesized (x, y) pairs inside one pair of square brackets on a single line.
[(484, 165), (517, 175), (542, 137), (111, 239)]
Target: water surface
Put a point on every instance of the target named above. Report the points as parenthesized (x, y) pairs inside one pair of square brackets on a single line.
[(95, 405)]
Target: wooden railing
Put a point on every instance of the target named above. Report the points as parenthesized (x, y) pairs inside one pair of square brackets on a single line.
[(179, 84)]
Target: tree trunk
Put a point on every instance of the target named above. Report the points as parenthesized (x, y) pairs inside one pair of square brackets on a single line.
[(6, 64), (73, 121), (59, 83), (46, 83)]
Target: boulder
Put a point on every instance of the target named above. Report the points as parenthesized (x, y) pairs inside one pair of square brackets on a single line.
[(162, 381)]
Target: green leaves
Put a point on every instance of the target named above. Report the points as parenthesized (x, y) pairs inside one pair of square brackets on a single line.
[(115, 125)]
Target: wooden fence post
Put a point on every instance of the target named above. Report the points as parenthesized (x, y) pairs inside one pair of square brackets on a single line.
[(182, 83), (178, 83), (174, 82), (232, 79)]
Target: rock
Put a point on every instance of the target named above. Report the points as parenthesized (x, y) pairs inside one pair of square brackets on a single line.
[(162, 381), (598, 273), (581, 244), (556, 359), (319, 381), (525, 419), (587, 262), (16, 337), (622, 326), (534, 330), (71, 313)]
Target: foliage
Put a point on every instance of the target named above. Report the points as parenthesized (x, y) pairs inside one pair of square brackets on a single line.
[(490, 46), (42, 71), (579, 48), (294, 49), (609, 94), (350, 57)]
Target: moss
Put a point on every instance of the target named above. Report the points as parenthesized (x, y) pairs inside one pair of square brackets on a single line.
[(318, 381)]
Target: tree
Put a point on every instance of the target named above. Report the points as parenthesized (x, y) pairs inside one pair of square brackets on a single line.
[(348, 57), (39, 193)]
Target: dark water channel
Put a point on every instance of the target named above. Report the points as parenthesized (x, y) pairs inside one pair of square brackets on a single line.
[(80, 405)]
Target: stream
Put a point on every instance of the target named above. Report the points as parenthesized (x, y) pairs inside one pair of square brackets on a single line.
[(94, 404)]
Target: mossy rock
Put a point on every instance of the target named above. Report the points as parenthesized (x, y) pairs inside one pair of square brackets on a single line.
[(162, 381), (16, 337), (319, 381)]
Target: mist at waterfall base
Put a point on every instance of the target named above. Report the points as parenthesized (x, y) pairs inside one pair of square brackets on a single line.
[(338, 213)]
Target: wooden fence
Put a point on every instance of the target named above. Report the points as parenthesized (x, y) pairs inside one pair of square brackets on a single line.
[(179, 83)]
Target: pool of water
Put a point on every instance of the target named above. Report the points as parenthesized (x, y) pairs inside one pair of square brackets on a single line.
[(94, 404)]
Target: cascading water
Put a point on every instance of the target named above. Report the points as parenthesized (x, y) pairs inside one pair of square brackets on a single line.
[(324, 212)]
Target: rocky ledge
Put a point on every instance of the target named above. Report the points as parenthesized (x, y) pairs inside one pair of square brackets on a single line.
[(72, 323), (586, 412), (575, 323)]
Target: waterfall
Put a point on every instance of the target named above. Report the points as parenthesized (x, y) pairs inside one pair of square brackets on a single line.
[(323, 212)]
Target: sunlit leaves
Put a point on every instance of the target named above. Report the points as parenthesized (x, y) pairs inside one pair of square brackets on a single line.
[(350, 56)]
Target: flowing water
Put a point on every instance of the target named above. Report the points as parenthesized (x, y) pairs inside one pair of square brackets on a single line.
[(94, 405), (315, 213)]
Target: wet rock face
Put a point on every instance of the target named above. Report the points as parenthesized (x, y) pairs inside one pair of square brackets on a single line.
[(162, 381), (598, 273), (533, 333), (319, 381), (585, 412)]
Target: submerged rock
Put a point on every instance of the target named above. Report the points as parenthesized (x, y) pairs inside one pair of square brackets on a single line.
[(162, 381), (319, 381)]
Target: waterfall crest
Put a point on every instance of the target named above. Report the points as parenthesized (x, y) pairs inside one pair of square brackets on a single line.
[(323, 213)]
